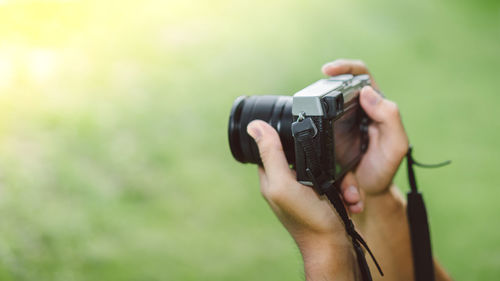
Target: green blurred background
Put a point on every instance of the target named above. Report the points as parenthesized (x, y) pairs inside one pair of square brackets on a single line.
[(114, 163)]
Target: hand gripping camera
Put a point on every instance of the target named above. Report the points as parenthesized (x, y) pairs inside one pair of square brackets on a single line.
[(324, 133), (327, 112)]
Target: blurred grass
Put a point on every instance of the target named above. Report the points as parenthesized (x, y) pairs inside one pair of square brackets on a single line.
[(114, 162)]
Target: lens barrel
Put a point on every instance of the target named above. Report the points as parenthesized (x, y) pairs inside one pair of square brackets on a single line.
[(275, 110)]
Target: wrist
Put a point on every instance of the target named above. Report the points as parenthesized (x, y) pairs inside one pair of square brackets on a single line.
[(386, 190), (381, 209), (384, 225), (328, 258), (385, 200)]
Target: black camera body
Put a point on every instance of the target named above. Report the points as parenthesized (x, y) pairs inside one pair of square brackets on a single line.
[(329, 109)]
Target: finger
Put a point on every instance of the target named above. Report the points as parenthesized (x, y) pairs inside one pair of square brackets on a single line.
[(349, 189), (351, 195), (356, 208), (271, 151), (346, 66), (377, 108), (385, 114), (264, 190)]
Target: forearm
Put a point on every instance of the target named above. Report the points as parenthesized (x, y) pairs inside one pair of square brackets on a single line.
[(327, 259), (384, 225)]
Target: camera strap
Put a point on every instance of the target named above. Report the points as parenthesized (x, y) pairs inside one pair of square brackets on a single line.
[(304, 132), (419, 226)]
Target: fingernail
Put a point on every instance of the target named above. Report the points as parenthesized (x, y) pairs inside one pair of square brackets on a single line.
[(254, 131), (355, 196), (372, 97), (353, 190)]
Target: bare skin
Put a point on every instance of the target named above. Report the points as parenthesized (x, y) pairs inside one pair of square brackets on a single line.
[(377, 207)]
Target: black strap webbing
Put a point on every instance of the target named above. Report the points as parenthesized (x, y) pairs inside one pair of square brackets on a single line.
[(419, 226)]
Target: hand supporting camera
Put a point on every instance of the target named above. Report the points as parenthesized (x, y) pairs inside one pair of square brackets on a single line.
[(310, 219), (367, 192), (388, 141)]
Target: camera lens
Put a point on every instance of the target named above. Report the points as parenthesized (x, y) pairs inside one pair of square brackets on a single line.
[(275, 110)]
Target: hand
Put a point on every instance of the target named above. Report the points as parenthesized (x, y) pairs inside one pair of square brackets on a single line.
[(298, 207), (385, 214), (309, 218), (388, 141)]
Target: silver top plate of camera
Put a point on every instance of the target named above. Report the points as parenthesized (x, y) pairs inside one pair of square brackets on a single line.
[(308, 100)]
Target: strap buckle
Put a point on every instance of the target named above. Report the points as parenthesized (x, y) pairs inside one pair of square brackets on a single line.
[(304, 127)]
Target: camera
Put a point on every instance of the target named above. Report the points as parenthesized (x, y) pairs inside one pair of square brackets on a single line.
[(328, 111)]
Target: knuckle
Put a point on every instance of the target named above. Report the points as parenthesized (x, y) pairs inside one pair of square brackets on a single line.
[(402, 147), (277, 192), (264, 192), (274, 194), (392, 109), (399, 145)]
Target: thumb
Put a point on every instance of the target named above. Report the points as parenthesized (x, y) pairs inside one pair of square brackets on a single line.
[(377, 108), (385, 114), (270, 149)]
